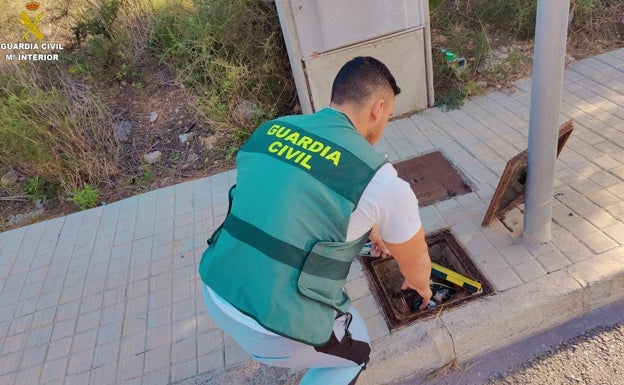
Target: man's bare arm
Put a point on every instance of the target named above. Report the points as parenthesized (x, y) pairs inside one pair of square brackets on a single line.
[(414, 263)]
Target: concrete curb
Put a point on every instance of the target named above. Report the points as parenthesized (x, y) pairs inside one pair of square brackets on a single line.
[(474, 329)]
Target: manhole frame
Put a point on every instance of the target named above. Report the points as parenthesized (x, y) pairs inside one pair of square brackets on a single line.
[(467, 184), (392, 320)]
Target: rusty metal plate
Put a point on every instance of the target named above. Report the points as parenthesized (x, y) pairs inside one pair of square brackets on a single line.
[(386, 280), (510, 190), (432, 178)]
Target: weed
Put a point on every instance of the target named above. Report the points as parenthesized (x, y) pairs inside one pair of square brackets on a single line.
[(85, 197), (125, 72), (35, 188), (147, 173), (263, 114), (230, 152), (451, 365), (450, 100), (514, 62), (240, 136), (77, 66)]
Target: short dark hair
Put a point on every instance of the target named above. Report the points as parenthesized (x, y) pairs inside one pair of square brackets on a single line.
[(359, 78)]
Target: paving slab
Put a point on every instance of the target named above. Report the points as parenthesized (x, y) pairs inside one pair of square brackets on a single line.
[(111, 295)]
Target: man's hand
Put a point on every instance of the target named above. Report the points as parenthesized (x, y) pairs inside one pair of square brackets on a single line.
[(426, 295), (378, 247)]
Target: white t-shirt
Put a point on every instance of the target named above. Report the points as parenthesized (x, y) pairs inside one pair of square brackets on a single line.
[(387, 201)]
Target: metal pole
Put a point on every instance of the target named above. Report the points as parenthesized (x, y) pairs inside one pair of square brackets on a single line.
[(548, 64)]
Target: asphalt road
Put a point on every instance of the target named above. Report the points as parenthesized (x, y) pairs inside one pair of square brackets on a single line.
[(585, 351), (595, 357)]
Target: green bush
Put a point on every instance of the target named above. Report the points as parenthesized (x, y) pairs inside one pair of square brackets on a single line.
[(229, 51), (111, 37)]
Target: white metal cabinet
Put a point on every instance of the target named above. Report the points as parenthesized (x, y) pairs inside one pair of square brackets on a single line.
[(321, 35)]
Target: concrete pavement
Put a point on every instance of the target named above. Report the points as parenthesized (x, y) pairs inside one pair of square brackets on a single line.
[(111, 295)]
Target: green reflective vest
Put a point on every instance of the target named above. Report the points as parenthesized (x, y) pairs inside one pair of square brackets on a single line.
[(280, 256)]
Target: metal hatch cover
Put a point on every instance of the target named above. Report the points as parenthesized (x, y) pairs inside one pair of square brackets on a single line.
[(432, 178), (510, 190)]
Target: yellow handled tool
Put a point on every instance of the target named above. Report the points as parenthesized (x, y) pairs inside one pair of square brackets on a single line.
[(455, 277)]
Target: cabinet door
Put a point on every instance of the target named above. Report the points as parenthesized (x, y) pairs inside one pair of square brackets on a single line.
[(403, 53), (325, 25)]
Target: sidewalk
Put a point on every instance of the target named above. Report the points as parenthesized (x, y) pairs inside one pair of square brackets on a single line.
[(111, 295)]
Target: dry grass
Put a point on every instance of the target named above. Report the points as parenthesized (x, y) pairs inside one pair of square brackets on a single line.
[(53, 127)]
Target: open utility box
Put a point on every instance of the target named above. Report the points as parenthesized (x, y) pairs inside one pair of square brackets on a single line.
[(386, 280)]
